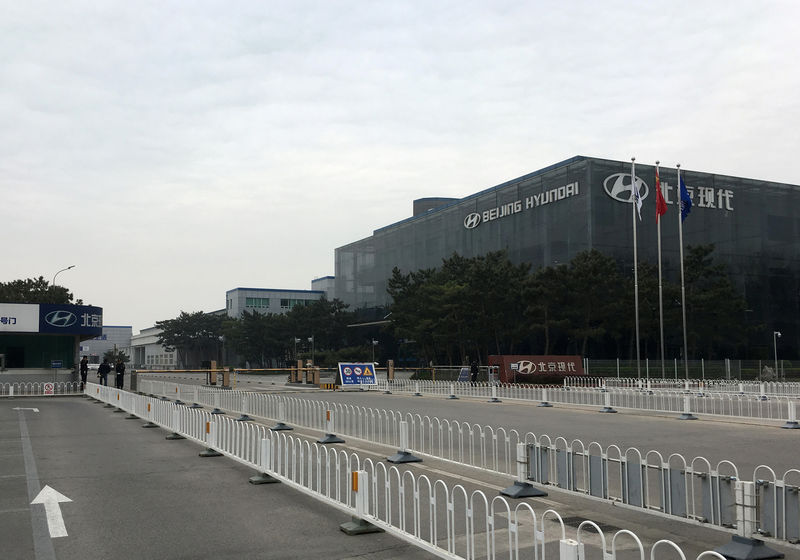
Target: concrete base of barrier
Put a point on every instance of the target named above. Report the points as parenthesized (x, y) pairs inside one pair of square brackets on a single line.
[(494, 399), (150, 425), (217, 411), (262, 478), (330, 438), (174, 435), (522, 490), (210, 453), (403, 457), (608, 410), (195, 405), (452, 397), (359, 527), (280, 426), (743, 548), (791, 425), (109, 405), (180, 402), (119, 410), (544, 403), (243, 418), (131, 417), (687, 416)]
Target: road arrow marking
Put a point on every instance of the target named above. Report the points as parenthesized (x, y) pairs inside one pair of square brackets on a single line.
[(33, 409), (55, 522)]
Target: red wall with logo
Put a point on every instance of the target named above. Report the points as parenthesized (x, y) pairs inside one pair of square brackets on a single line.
[(531, 367)]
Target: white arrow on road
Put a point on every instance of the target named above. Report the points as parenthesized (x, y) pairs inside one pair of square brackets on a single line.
[(55, 522), (33, 409)]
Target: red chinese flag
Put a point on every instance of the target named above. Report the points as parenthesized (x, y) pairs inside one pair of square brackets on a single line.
[(661, 204)]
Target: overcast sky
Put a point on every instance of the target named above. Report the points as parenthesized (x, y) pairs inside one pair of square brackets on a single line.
[(176, 150)]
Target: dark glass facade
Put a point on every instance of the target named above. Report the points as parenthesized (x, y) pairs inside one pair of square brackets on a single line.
[(547, 217)]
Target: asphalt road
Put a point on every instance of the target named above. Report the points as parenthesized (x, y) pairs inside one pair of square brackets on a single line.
[(136, 495)]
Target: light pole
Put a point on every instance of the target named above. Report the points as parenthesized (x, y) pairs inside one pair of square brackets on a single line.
[(59, 272), (296, 340), (374, 344), (311, 340), (775, 336)]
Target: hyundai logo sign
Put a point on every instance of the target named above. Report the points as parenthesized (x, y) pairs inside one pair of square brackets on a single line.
[(61, 319), (618, 187), (472, 220), (525, 366)]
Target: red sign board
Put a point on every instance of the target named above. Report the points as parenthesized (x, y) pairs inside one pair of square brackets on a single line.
[(525, 369)]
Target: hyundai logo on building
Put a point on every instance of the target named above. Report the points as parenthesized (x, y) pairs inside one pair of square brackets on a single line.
[(618, 187), (472, 220), (526, 367), (61, 319)]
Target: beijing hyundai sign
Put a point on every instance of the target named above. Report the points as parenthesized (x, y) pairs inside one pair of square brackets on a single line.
[(525, 369), (51, 319), (357, 374)]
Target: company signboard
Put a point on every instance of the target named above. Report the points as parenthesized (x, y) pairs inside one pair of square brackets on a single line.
[(357, 374), (19, 317), (525, 368), (51, 319)]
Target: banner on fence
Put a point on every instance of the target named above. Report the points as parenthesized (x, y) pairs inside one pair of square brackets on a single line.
[(357, 374), (524, 369)]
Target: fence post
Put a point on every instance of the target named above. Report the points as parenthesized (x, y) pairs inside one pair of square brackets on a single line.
[(266, 462), (416, 389), (544, 399), (330, 437), (687, 410), (607, 408), (403, 455), (281, 425), (216, 404), (452, 392), (196, 398), (742, 546), (494, 394), (521, 487), (763, 391), (244, 417), (791, 423), (357, 525), (176, 425), (570, 549), (211, 440), (150, 423)]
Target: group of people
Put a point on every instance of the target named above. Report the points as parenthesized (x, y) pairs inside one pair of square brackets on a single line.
[(103, 371)]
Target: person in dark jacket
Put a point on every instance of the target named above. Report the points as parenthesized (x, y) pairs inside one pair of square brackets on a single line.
[(120, 370), (473, 369), (84, 371), (103, 371)]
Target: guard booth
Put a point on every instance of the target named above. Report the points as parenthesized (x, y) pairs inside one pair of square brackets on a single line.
[(211, 374)]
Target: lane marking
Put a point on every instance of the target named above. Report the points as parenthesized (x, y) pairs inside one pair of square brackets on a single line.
[(51, 499)]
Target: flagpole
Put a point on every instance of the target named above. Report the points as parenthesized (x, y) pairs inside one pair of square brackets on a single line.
[(660, 288), (683, 283), (635, 265)]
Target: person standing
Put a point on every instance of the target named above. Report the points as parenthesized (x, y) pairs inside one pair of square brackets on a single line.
[(120, 369), (103, 371), (84, 371), (473, 369)]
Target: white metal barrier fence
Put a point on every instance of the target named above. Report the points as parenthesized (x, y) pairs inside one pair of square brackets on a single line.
[(761, 406), (449, 521), (779, 388), (692, 489), (43, 388)]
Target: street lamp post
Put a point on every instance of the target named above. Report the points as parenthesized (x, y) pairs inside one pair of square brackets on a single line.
[(59, 272), (311, 340), (374, 344), (296, 340), (775, 336)]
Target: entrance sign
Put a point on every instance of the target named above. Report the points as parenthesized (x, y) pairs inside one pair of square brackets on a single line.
[(357, 374)]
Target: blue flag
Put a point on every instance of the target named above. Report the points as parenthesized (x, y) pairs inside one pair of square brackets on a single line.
[(686, 201)]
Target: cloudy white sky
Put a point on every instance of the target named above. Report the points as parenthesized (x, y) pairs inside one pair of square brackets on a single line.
[(175, 150)]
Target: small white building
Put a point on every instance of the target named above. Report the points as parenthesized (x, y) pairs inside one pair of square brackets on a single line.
[(147, 353), (113, 338), (267, 300)]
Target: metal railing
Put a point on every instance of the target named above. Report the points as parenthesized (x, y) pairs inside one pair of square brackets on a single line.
[(689, 489), (37, 388), (449, 521)]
